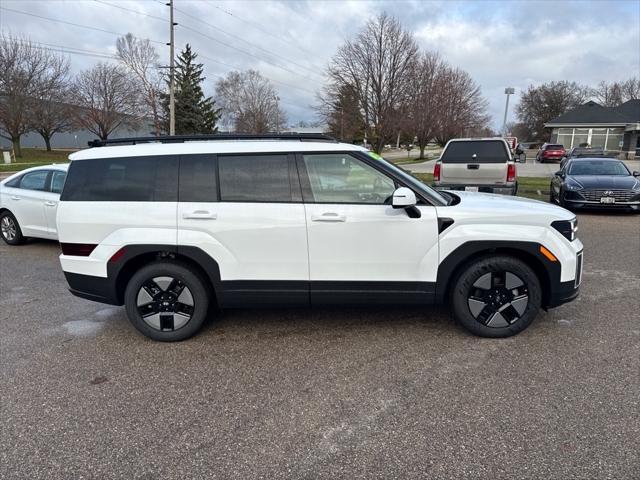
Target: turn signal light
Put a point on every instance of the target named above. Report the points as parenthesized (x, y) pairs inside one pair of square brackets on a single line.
[(550, 256), (436, 172)]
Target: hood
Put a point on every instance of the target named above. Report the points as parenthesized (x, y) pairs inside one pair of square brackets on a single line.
[(507, 209), (613, 182)]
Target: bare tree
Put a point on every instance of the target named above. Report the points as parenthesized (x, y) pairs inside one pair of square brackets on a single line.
[(141, 59), (250, 102), (612, 94), (424, 106), (375, 65), (50, 110), (22, 67), (107, 98), (461, 108), (539, 105)]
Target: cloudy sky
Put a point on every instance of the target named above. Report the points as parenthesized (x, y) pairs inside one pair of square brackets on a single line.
[(501, 43)]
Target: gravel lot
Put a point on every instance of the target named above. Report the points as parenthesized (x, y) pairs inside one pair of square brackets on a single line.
[(331, 393)]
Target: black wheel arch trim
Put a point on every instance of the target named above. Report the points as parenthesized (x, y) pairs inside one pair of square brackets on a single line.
[(529, 252)]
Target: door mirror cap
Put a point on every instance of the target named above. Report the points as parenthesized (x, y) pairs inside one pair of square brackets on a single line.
[(636, 173), (403, 197), (558, 173)]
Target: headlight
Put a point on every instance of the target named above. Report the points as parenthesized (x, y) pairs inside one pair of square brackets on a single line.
[(573, 186), (568, 228)]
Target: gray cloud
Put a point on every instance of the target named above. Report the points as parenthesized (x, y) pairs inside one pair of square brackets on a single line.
[(499, 43)]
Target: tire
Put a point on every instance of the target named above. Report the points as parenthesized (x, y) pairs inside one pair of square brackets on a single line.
[(552, 199), (496, 296), (167, 301), (10, 229)]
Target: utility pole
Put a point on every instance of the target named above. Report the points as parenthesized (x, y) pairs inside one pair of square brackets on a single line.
[(508, 91), (172, 103), (277, 99)]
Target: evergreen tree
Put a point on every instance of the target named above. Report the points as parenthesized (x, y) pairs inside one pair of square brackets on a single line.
[(194, 113)]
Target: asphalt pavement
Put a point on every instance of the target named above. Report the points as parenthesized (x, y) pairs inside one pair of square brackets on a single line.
[(327, 393)]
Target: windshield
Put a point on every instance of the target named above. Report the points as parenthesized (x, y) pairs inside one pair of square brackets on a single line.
[(583, 167), (414, 182)]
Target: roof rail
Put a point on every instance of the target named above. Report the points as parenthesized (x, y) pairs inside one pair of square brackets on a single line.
[(216, 136)]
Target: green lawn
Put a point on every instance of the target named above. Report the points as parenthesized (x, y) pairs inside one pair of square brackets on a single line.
[(527, 186), (32, 157)]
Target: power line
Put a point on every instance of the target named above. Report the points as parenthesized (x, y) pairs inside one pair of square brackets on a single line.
[(132, 10), (245, 41), (70, 23)]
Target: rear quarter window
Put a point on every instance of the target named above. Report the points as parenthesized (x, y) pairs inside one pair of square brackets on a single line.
[(484, 151), (134, 179)]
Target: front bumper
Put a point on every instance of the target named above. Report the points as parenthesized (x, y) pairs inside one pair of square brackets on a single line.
[(573, 203), (499, 189)]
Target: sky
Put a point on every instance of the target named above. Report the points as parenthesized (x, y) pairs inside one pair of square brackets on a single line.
[(500, 43)]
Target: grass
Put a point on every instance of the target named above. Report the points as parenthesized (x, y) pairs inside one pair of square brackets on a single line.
[(33, 157), (527, 186)]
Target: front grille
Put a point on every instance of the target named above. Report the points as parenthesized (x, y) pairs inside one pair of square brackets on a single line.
[(578, 269), (596, 195)]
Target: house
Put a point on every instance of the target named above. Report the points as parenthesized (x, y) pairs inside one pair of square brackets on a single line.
[(612, 128)]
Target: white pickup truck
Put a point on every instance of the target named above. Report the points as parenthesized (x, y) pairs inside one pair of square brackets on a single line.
[(477, 165)]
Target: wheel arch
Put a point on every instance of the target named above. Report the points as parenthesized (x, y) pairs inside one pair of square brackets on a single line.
[(528, 252), (135, 257)]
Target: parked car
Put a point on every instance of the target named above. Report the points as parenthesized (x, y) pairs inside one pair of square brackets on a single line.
[(590, 152), (173, 227), (476, 165), (550, 152), (596, 183), (28, 203)]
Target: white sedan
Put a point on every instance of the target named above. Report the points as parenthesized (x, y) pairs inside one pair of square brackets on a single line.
[(28, 203)]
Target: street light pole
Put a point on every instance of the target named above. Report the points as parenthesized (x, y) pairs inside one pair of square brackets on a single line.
[(172, 104), (508, 91), (277, 99)]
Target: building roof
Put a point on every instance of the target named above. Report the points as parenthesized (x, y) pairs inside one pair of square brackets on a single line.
[(592, 113)]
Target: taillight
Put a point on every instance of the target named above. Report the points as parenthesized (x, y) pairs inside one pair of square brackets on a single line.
[(77, 249), (436, 172), (511, 172)]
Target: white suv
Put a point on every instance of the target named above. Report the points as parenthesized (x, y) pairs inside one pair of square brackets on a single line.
[(171, 227)]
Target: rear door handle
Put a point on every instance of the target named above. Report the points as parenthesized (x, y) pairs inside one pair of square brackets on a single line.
[(329, 217), (50, 204), (200, 215)]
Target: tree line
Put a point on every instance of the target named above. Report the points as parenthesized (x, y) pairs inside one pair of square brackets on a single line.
[(541, 104)]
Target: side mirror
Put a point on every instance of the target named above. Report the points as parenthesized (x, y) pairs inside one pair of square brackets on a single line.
[(636, 173), (558, 173), (403, 197)]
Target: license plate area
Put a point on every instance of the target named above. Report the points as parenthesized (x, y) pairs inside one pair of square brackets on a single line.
[(607, 200), (471, 189)]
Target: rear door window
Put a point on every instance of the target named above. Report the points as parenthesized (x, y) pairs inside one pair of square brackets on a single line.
[(254, 178), (34, 180), (476, 152), (198, 181), (134, 179)]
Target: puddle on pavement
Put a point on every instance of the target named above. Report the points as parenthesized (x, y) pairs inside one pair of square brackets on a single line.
[(563, 322), (82, 328)]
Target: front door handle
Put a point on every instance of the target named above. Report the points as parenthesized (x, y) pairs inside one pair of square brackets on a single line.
[(329, 217), (199, 215), (13, 197), (50, 204)]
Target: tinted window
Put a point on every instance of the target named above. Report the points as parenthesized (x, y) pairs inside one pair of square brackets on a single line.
[(34, 180), (555, 147), (57, 181), (135, 179), (485, 152), (583, 167), (198, 179), (254, 178), (341, 178)]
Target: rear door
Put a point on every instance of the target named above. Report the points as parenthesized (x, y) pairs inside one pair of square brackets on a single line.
[(474, 162), (51, 198), (245, 211), (26, 202)]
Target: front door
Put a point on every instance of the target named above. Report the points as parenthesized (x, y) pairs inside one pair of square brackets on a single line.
[(27, 203), (361, 249), (246, 212)]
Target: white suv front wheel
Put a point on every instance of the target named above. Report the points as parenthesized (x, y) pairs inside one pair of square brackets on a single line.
[(496, 296), (167, 301)]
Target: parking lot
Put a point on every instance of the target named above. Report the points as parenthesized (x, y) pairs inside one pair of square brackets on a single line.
[(330, 393)]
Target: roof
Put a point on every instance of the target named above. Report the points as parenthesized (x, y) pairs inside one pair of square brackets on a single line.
[(217, 147), (592, 113)]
